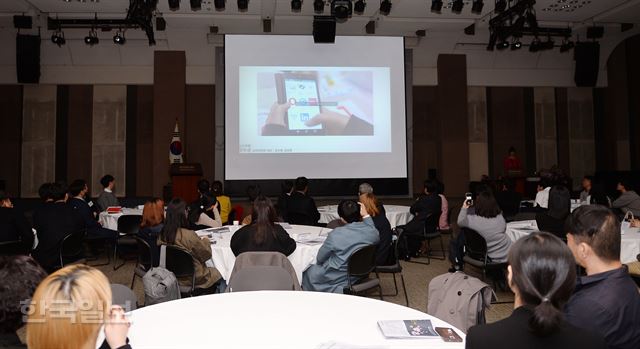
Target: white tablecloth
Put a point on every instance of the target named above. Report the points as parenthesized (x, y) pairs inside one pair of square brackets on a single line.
[(397, 215), (304, 255), (110, 220), (274, 319), (629, 244)]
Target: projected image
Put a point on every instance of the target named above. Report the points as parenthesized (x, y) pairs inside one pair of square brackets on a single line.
[(335, 102)]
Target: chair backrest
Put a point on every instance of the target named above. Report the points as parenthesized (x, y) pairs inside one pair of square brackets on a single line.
[(362, 261), (475, 245), (123, 296), (299, 218), (267, 262), (72, 244), (129, 224), (179, 262), (145, 253), (431, 223), (12, 248)]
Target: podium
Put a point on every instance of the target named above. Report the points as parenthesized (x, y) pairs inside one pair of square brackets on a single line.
[(184, 181)]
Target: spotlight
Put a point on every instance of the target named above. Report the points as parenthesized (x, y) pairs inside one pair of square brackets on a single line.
[(502, 45), (516, 45), (196, 5), (341, 9), (174, 5), (296, 5), (92, 38), (501, 5), (436, 6), (535, 45), (385, 7), (456, 6), (359, 6), (370, 27), (477, 6), (547, 45), (471, 29), (566, 45), (318, 6), (324, 29), (119, 38), (219, 5), (243, 5), (58, 38)]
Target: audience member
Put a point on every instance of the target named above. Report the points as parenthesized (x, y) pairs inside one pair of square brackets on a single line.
[(585, 194), (628, 201), (224, 202), (151, 225), (286, 189), (380, 221), (301, 208), (45, 192), (108, 197), (329, 274), (263, 234), (175, 233), (203, 186), (20, 276), (606, 301), (82, 295), (511, 163), (78, 190), (553, 219), (204, 213), (488, 221), (53, 221), (542, 197), (443, 222), (508, 199), (541, 274), (13, 225), (426, 206)]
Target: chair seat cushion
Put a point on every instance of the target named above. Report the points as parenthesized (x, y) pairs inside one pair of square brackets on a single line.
[(365, 285), (394, 268), (474, 262)]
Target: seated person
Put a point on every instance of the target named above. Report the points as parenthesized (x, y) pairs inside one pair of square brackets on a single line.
[(376, 210), (553, 219), (80, 293), (203, 186), (175, 233), (542, 197), (78, 190), (329, 274), (508, 199), (13, 225), (108, 197), (204, 213), (587, 184), (262, 234), (224, 202), (20, 276), (53, 221), (628, 201), (151, 225), (425, 206), (487, 220), (606, 301), (301, 208), (540, 293), (286, 188), (443, 222)]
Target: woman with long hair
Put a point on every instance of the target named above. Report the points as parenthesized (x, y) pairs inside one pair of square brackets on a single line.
[(70, 306), (377, 212), (552, 220), (176, 233), (263, 234), (151, 225), (542, 275)]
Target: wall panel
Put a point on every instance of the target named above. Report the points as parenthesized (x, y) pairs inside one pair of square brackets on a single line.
[(11, 136)]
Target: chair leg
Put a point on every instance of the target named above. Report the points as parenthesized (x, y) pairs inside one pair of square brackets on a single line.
[(380, 292), (117, 266), (108, 253), (133, 279), (395, 284), (404, 287)]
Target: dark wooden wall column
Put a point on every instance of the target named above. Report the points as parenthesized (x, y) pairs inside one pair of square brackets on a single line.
[(79, 133), (11, 137), (506, 126), (200, 128), (562, 128)]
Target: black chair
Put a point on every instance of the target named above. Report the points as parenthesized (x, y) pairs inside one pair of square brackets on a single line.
[(145, 259), (394, 269), (362, 263), (124, 296), (128, 227), (14, 248), (231, 217), (475, 254), (180, 262), (431, 232), (71, 249)]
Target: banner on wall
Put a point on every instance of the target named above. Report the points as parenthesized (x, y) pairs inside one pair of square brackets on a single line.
[(175, 149)]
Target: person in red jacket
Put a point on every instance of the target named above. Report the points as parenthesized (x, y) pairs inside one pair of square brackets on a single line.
[(512, 163)]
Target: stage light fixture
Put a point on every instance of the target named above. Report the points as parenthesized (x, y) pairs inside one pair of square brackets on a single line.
[(566, 45), (476, 6), (502, 45), (318, 6), (196, 5), (219, 5), (243, 5), (456, 6), (58, 38), (501, 5), (436, 6), (535, 45), (516, 45), (385, 7), (92, 38), (324, 29), (370, 27), (359, 7), (296, 5), (341, 9), (547, 45), (119, 38), (174, 5)]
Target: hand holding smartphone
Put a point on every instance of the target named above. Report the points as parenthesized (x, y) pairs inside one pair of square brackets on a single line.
[(300, 90), (468, 199)]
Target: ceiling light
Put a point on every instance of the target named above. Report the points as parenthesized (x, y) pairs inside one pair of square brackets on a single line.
[(174, 5), (196, 5), (342, 9), (456, 6), (243, 5), (58, 38), (535, 45), (318, 6), (359, 6), (296, 5), (119, 38), (385, 7), (501, 5), (516, 45), (477, 6), (92, 38), (219, 4), (566, 45), (436, 6)]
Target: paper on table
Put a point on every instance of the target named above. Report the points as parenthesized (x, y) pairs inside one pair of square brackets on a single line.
[(340, 345), (407, 329), (285, 225)]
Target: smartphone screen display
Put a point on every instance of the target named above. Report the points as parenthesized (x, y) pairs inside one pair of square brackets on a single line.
[(302, 94)]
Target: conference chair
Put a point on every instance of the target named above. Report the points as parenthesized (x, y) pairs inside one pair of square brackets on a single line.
[(71, 249), (431, 232), (128, 226), (255, 271), (123, 296), (13, 248), (180, 262), (362, 263), (394, 269), (145, 259), (475, 247)]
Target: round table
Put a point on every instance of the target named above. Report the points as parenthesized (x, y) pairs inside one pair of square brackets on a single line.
[(308, 238), (397, 215), (629, 242), (110, 220), (275, 319)]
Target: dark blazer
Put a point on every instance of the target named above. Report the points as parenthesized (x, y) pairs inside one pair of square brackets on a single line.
[(94, 229), (52, 222), (13, 227), (386, 235), (513, 332), (551, 224), (242, 241), (301, 209), (509, 202), (426, 205)]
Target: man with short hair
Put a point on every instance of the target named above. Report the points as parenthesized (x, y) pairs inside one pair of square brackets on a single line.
[(301, 208), (606, 301), (13, 224), (78, 190), (329, 274), (426, 206), (628, 201), (542, 196), (107, 198)]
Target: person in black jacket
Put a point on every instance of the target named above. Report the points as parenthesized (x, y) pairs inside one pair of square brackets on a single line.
[(286, 190), (542, 275), (263, 234), (301, 208), (53, 221), (552, 220), (13, 224), (377, 212), (78, 190), (508, 199), (426, 206)]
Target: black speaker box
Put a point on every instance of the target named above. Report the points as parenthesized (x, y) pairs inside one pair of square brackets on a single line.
[(587, 57), (324, 29), (28, 58)]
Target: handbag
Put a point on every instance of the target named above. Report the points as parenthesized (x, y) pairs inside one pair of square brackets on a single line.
[(625, 226)]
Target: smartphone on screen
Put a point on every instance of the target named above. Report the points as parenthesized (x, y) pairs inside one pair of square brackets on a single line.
[(300, 90), (468, 198)]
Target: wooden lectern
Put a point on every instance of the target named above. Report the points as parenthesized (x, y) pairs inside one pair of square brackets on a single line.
[(184, 181)]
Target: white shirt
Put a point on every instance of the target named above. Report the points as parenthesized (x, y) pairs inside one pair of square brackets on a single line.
[(107, 190), (542, 198)]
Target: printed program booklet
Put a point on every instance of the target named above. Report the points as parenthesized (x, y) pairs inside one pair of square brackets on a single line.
[(407, 329)]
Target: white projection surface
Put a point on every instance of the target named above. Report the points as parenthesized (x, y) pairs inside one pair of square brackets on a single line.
[(293, 107)]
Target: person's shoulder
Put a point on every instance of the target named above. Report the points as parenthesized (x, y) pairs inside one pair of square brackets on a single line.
[(582, 338), (489, 335)]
